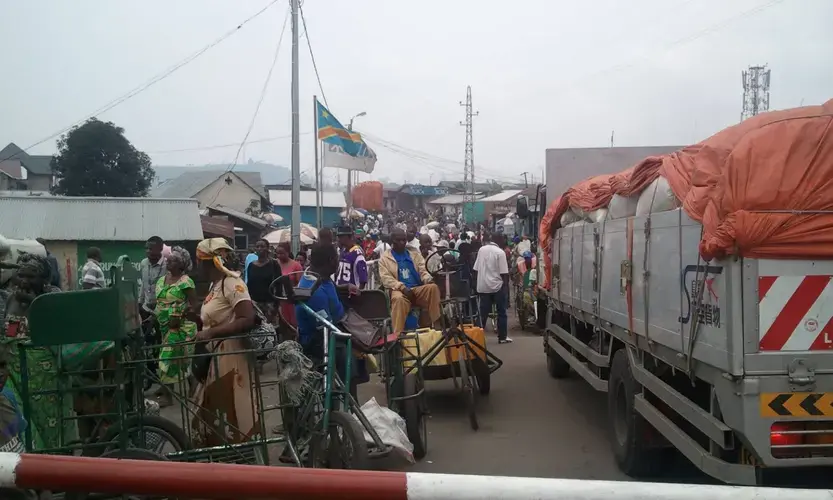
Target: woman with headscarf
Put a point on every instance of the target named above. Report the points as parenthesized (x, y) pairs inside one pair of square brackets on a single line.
[(48, 412), (224, 391), (176, 307)]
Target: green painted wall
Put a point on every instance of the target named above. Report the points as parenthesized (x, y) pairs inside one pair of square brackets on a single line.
[(110, 253)]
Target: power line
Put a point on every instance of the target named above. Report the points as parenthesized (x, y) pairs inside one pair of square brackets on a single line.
[(433, 159), (259, 104), (422, 159), (156, 79), (221, 146), (262, 93), (312, 55)]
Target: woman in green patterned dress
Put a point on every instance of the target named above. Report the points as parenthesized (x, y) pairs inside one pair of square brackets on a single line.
[(48, 412), (176, 311)]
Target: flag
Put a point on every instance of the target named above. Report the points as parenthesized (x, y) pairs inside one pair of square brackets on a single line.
[(335, 157), (332, 132)]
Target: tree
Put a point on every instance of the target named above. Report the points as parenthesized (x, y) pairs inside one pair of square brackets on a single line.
[(95, 159)]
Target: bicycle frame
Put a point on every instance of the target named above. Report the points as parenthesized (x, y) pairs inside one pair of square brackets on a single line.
[(333, 384)]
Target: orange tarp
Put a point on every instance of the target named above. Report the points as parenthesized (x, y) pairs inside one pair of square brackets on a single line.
[(762, 188), (368, 195)]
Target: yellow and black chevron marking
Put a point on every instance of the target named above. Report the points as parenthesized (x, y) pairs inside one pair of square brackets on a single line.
[(797, 404)]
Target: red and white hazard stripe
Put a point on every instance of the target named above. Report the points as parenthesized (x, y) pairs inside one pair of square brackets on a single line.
[(217, 481), (795, 313)]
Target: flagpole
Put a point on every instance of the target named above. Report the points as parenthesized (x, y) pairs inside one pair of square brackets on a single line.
[(317, 164), (296, 142)]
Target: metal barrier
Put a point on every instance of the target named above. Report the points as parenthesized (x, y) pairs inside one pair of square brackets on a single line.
[(218, 481), (373, 281)]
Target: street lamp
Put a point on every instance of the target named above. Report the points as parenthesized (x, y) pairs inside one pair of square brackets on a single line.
[(350, 125)]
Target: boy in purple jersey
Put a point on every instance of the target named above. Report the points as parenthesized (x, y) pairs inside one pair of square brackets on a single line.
[(352, 268)]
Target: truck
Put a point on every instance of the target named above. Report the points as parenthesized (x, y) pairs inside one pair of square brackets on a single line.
[(729, 361)]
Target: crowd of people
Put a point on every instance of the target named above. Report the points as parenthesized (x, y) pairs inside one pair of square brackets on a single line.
[(241, 299)]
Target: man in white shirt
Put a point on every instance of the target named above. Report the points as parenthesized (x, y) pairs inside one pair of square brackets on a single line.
[(382, 246), (492, 277)]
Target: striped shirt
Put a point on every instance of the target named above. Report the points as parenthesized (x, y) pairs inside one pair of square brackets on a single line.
[(91, 274)]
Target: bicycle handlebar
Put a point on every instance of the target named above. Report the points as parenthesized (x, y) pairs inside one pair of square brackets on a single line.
[(336, 330), (294, 295)]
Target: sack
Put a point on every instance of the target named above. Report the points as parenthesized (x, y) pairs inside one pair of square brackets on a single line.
[(390, 427), (365, 334), (622, 206), (657, 197), (597, 215)]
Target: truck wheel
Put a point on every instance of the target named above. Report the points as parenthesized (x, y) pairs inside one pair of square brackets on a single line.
[(627, 427), (556, 366)]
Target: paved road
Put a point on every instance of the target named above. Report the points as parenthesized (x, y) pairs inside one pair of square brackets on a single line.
[(530, 424)]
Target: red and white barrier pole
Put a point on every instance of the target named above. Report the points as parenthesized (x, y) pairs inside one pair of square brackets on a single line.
[(225, 481)]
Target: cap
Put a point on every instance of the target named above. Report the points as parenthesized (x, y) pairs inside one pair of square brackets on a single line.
[(344, 230)]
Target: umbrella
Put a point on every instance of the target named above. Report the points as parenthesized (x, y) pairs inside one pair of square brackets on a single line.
[(354, 214), (271, 218), (283, 235)]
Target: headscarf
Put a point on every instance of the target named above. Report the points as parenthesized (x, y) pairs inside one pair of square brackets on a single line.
[(181, 257), (35, 264), (217, 251)]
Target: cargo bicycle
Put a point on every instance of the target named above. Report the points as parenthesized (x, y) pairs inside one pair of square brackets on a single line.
[(323, 423), (459, 351), (400, 364)]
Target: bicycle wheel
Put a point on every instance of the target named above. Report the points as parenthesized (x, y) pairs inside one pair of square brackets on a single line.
[(414, 413), (468, 388), (147, 432), (342, 446)]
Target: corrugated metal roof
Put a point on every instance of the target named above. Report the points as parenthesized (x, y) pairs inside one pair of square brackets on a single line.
[(99, 219), (35, 164), (217, 226), (240, 215), (331, 199), (503, 195), (189, 184)]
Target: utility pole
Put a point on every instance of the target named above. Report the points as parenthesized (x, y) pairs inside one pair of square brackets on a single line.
[(468, 172), (296, 136), (755, 91), (526, 184)]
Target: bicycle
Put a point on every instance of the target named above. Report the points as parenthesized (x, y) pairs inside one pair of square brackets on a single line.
[(324, 419)]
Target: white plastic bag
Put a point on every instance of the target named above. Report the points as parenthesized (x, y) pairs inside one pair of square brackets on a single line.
[(622, 206), (657, 197), (390, 427)]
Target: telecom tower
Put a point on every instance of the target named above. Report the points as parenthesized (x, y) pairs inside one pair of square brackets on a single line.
[(468, 172), (755, 91)]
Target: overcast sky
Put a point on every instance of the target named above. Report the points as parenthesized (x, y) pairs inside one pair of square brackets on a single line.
[(544, 73)]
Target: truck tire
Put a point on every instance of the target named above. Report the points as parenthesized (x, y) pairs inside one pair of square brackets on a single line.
[(627, 427), (556, 366)]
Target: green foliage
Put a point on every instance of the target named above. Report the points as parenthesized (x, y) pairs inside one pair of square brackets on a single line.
[(95, 159)]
